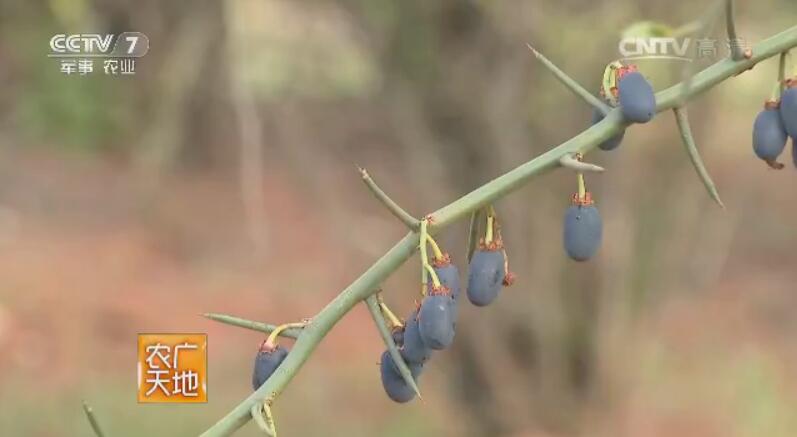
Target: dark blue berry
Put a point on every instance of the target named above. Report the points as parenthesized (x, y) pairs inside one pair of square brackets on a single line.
[(266, 362), (414, 350), (449, 277), (396, 388), (636, 97), (583, 231), (448, 274), (436, 324), (788, 109), (612, 142), (485, 276), (398, 336), (769, 135)]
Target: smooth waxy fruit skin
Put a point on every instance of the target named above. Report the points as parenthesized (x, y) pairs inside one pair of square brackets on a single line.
[(788, 111), (435, 321), (583, 231), (395, 387), (485, 276), (769, 135), (414, 350), (612, 142), (266, 363), (398, 336), (449, 277), (636, 97)]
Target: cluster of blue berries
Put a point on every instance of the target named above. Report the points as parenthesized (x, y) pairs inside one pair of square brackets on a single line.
[(431, 326), (775, 124)]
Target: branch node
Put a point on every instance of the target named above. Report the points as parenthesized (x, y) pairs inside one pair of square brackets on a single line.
[(572, 162)]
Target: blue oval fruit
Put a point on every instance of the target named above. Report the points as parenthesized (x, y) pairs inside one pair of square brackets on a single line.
[(788, 109), (636, 97), (266, 362), (448, 274), (583, 231), (435, 321), (612, 142), (398, 335), (449, 277), (485, 276), (395, 387), (414, 350), (769, 135)]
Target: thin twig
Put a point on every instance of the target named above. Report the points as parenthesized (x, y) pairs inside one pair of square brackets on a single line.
[(409, 221), (254, 326), (366, 284), (473, 233), (570, 161), (95, 425), (737, 54), (570, 83), (705, 27), (682, 118), (373, 308)]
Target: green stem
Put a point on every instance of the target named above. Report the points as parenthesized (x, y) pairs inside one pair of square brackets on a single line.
[(570, 83), (438, 254), (248, 324), (95, 425), (582, 187), (473, 233), (782, 74), (366, 284), (387, 338), (733, 40), (682, 118), (409, 221)]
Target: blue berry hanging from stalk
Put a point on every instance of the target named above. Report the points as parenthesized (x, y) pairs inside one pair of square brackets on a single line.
[(489, 267), (414, 350), (436, 314), (583, 227), (788, 107), (769, 134), (270, 355)]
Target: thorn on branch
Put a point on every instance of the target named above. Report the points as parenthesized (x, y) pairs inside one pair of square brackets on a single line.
[(95, 425), (249, 324), (266, 424), (737, 54), (573, 162), (570, 83), (682, 118), (409, 221), (372, 304)]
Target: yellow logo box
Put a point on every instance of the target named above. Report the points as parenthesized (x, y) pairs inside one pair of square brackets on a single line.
[(172, 368)]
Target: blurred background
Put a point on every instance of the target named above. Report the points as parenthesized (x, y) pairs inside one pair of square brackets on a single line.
[(221, 177)]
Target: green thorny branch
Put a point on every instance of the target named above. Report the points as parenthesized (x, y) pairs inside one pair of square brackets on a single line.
[(368, 283)]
